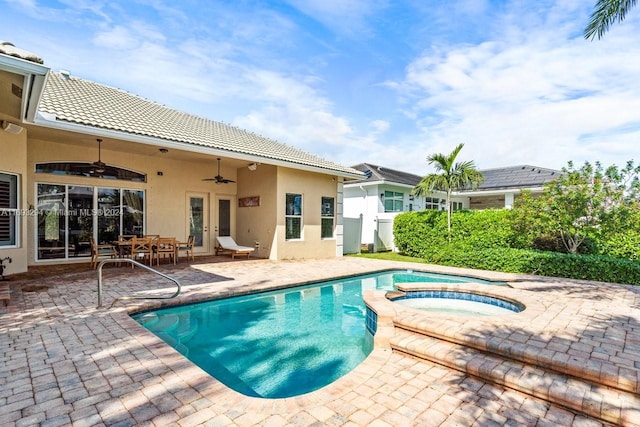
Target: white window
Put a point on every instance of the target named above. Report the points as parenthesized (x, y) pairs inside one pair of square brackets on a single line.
[(432, 203), (327, 214), (456, 206), (8, 209), (293, 217), (393, 201)]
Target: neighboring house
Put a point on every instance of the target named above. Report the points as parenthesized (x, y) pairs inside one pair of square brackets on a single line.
[(383, 193), (502, 186), (59, 185)]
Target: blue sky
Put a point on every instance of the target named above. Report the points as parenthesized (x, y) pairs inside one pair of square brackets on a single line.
[(384, 82)]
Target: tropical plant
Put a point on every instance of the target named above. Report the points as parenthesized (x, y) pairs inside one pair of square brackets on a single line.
[(449, 176), (605, 13), (582, 204)]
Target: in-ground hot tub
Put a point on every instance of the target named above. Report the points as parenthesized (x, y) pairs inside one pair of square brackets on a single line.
[(458, 303)]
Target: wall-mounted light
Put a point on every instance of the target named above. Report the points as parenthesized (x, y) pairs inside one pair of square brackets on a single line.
[(382, 195), (159, 173), (11, 127), (252, 166)]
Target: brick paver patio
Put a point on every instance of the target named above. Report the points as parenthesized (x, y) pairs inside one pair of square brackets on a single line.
[(63, 361)]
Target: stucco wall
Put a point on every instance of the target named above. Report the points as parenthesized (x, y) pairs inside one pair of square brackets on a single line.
[(313, 187), (165, 197), (13, 159), (257, 224)]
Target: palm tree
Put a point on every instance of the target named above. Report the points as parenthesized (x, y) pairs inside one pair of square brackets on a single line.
[(604, 14), (449, 176)]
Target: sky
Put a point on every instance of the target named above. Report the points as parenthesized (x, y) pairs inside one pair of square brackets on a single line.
[(377, 81)]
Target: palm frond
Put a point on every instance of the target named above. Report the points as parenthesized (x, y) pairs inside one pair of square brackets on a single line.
[(605, 14)]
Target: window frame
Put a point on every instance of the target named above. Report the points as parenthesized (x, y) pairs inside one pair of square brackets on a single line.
[(432, 203), (291, 214), (12, 212), (325, 216), (394, 197)]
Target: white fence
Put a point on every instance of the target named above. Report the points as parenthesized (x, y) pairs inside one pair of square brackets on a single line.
[(352, 236)]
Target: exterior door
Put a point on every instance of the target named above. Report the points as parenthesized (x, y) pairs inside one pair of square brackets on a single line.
[(198, 220), (223, 222)]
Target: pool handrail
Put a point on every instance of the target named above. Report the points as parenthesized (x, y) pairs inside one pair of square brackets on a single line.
[(136, 263)]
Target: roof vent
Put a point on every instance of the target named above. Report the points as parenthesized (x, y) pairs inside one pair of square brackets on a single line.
[(65, 73)]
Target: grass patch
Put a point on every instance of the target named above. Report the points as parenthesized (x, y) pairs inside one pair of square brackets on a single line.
[(390, 256)]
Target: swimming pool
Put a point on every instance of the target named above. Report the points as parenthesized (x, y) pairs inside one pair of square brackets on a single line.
[(281, 343)]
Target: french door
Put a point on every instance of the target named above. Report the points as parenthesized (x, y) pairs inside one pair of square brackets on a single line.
[(198, 220)]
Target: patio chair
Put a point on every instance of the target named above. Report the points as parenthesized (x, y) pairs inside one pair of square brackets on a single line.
[(226, 244), (186, 247), (124, 245), (101, 251), (166, 246), (142, 249)]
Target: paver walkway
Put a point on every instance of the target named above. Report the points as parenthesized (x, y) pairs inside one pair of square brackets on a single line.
[(65, 362)]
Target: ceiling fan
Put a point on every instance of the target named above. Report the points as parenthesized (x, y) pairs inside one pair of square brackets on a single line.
[(218, 178), (98, 167)]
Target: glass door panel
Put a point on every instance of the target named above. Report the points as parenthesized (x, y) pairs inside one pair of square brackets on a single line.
[(224, 217), (51, 221), (80, 220), (108, 212), (198, 220), (133, 212)]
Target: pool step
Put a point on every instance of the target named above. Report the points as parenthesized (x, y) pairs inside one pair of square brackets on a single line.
[(576, 394)]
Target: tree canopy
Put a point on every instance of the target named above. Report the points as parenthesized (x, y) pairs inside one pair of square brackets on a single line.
[(449, 176)]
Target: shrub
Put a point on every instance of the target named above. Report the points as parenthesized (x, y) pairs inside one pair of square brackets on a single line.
[(417, 232), (511, 260)]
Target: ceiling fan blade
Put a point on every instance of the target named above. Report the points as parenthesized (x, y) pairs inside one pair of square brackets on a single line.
[(218, 178)]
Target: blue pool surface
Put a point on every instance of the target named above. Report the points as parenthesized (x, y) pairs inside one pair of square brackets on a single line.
[(281, 343)]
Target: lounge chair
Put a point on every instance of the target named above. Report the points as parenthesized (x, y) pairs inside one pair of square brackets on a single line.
[(226, 244)]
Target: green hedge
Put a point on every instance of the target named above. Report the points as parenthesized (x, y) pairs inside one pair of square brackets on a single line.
[(416, 232), (586, 267), (483, 240)]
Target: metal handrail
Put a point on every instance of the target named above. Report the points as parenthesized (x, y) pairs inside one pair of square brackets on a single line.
[(134, 262)]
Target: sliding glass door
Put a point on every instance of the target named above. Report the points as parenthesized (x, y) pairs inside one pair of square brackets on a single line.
[(69, 215)]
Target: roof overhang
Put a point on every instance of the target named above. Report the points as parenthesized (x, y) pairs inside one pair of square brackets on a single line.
[(50, 121), (376, 182), (34, 76)]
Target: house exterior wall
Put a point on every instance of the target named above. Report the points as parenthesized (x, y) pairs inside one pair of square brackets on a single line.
[(257, 224), (13, 160), (165, 196), (313, 187)]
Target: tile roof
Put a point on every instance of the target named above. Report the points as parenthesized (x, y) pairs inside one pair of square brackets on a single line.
[(522, 176), (74, 100), (8, 48), (511, 177), (379, 173)]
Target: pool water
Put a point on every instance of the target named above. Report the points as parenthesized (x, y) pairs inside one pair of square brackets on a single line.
[(458, 303), (282, 343)]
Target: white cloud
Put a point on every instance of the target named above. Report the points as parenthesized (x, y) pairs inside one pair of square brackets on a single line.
[(537, 101), (346, 17)]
